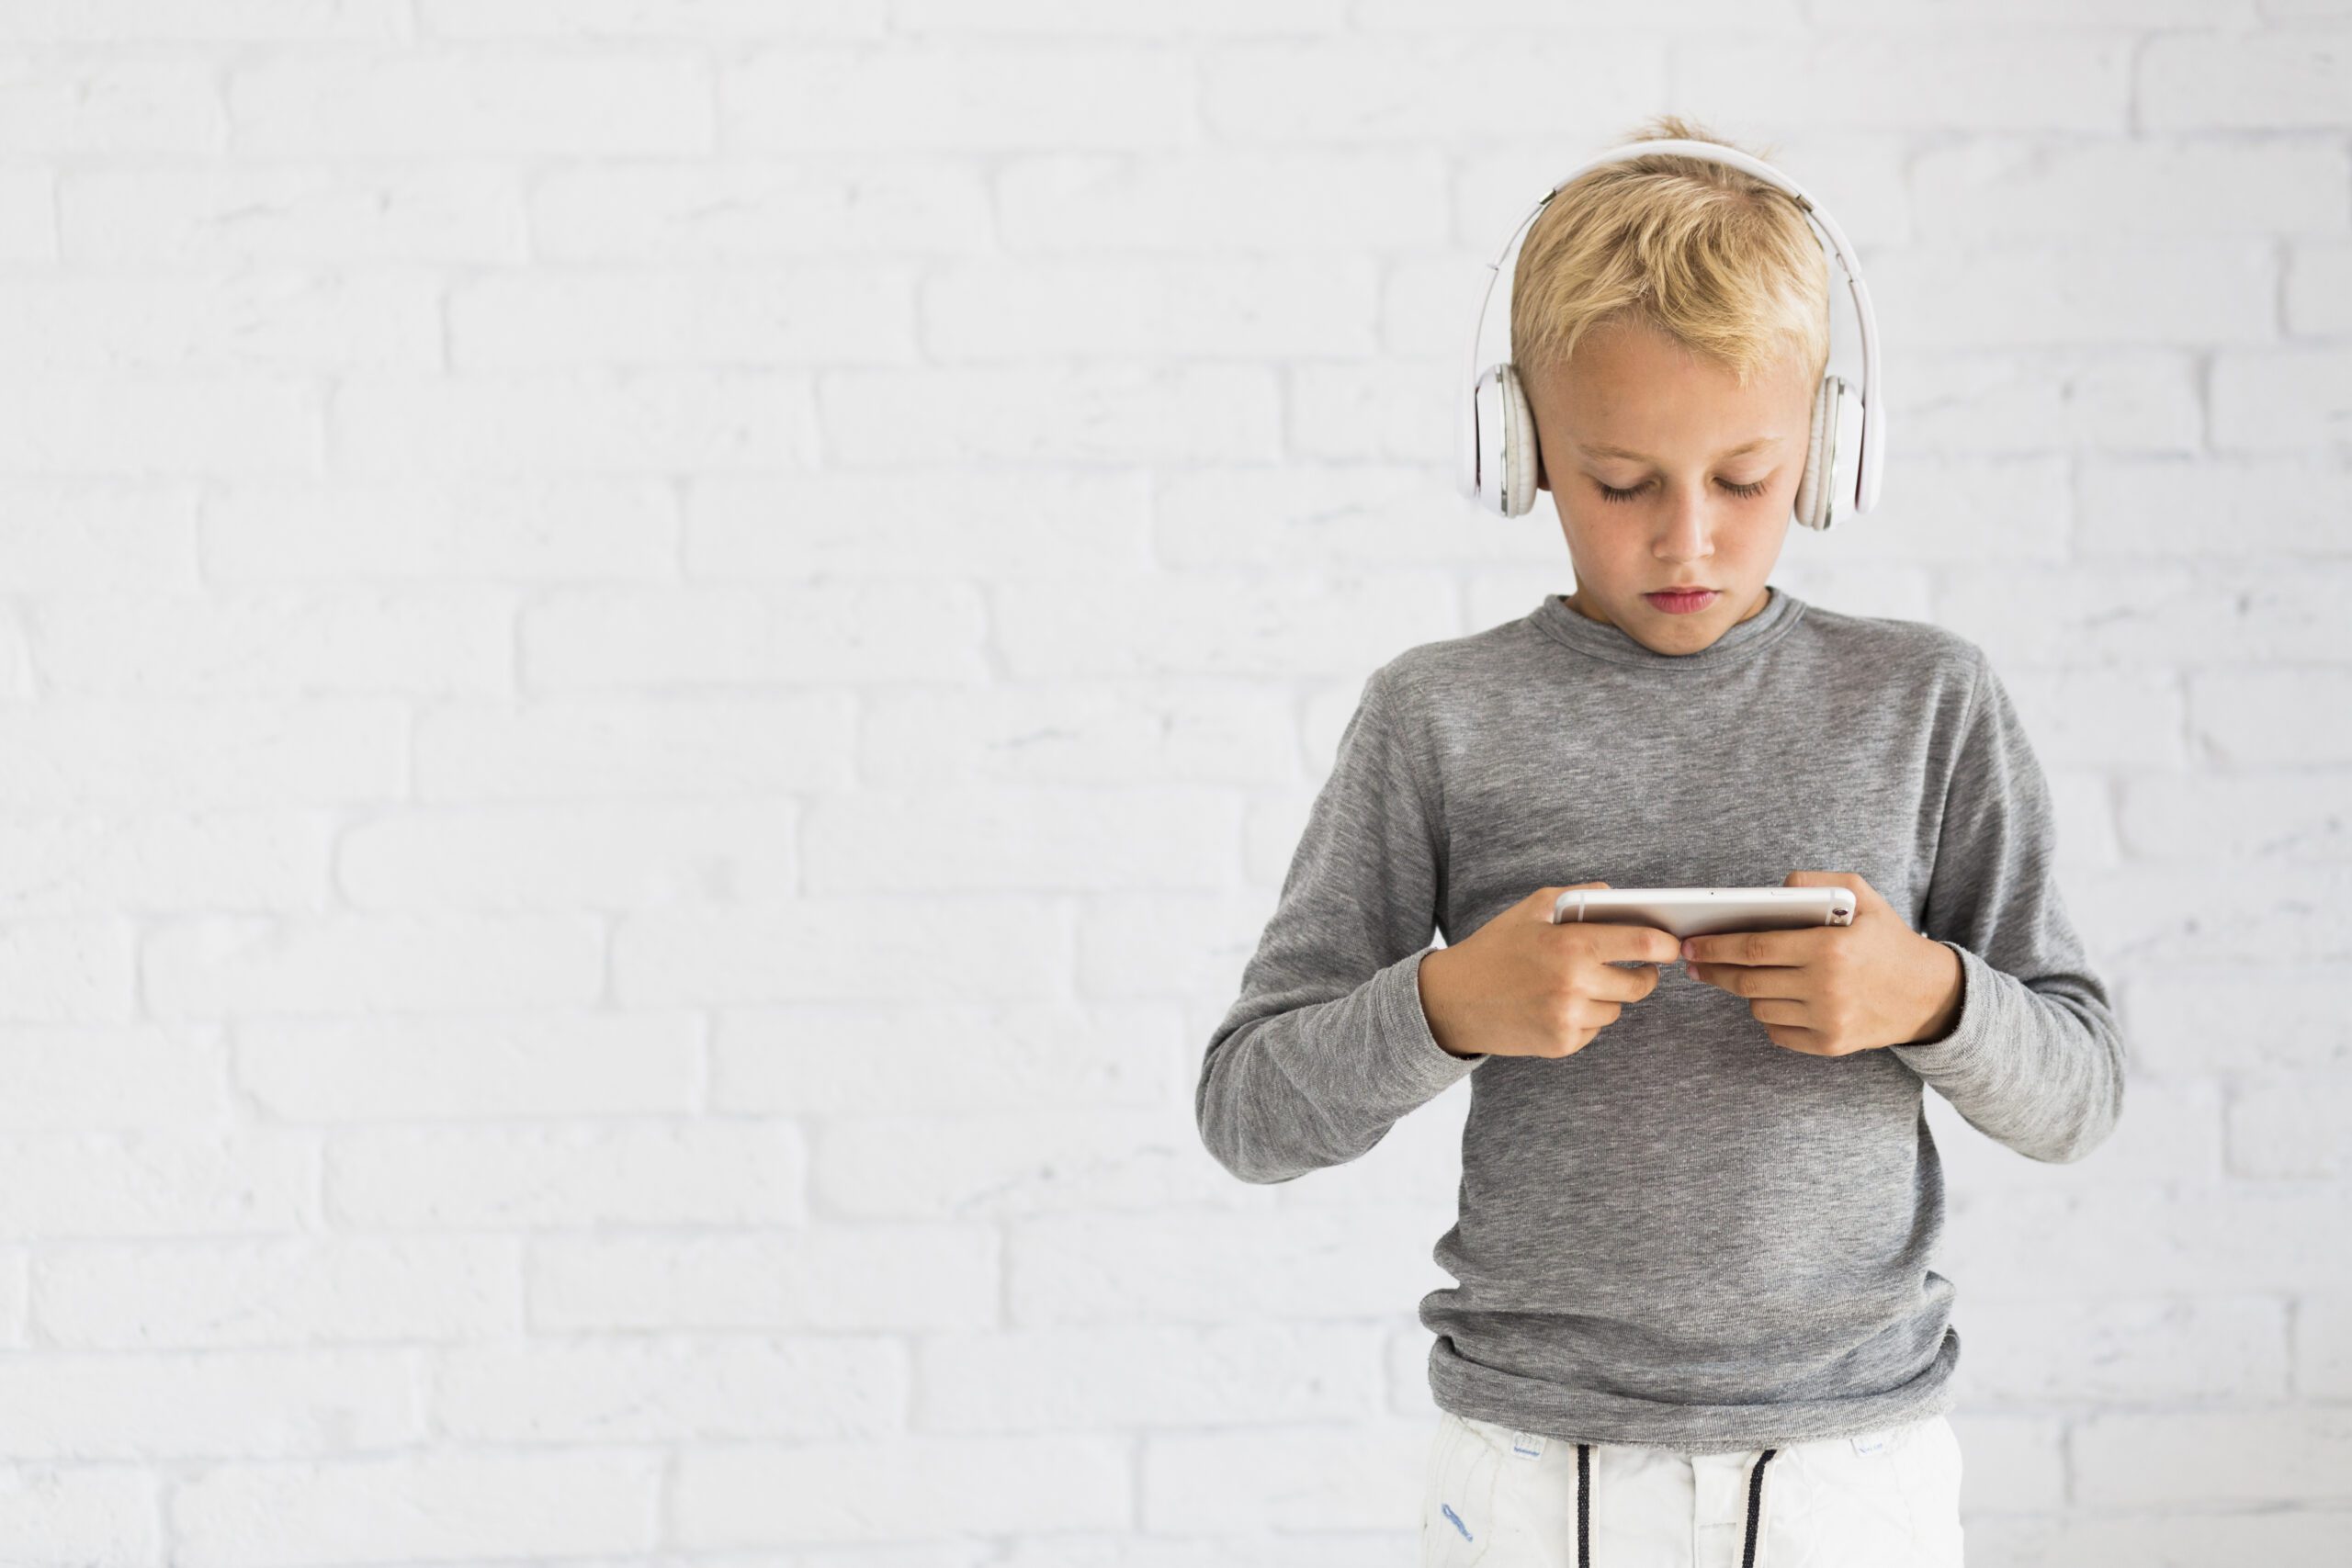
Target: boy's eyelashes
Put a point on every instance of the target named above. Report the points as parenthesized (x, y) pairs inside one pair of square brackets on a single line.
[(1745, 492)]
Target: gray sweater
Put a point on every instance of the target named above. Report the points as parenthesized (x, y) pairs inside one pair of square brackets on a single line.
[(1683, 1235)]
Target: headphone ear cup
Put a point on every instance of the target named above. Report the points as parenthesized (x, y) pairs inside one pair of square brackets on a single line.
[(1520, 451), (1819, 484), (1845, 470), (1485, 427), (1465, 443)]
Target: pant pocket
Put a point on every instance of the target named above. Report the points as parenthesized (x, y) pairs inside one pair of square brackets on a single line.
[(1460, 1517), (1931, 1481), (1442, 1441)]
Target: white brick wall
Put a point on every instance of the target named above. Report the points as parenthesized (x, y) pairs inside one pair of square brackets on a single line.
[(659, 659)]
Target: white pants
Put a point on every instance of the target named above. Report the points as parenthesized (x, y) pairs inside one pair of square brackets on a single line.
[(1506, 1499)]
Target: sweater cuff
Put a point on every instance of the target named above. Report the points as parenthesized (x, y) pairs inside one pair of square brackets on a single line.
[(1959, 1048), (1407, 1052)]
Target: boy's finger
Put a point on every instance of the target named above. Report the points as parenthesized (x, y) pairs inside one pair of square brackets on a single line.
[(1741, 947)]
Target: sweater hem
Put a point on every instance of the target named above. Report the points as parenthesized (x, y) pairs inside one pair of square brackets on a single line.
[(1585, 1416)]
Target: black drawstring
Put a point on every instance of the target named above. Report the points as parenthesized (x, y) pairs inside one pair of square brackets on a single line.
[(1755, 1499), (1584, 1506)]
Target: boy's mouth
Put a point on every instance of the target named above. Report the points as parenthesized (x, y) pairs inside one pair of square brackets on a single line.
[(1682, 603)]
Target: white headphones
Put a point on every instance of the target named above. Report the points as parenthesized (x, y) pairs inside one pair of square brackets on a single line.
[(1498, 453)]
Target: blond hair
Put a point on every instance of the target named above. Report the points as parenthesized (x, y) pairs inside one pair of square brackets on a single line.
[(1706, 254)]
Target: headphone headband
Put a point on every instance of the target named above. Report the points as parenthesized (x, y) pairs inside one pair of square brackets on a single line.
[(1871, 421)]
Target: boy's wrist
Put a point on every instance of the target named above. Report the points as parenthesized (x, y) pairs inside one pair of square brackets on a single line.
[(1949, 987), (1431, 973)]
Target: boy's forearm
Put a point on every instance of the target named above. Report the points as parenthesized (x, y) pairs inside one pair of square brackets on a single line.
[(1318, 1085), (2037, 1067)]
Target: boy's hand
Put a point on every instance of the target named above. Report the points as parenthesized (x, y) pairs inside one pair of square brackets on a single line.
[(1520, 985), (1834, 990)]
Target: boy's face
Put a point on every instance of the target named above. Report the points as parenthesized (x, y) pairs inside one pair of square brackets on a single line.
[(1685, 522)]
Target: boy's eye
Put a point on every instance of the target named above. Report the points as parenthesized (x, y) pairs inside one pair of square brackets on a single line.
[(1745, 492)]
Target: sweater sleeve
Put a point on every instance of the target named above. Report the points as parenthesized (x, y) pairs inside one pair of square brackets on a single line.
[(1326, 1045), (2034, 1059)]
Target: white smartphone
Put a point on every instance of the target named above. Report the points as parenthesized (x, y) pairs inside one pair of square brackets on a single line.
[(1702, 911)]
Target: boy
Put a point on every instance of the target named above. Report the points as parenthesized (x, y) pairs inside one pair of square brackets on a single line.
[(1697, 1207)]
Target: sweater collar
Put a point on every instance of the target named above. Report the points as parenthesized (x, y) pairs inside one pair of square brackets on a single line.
[(1781, 610)]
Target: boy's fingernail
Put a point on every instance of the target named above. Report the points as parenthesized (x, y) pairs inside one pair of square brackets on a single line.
[(1691, 948)]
